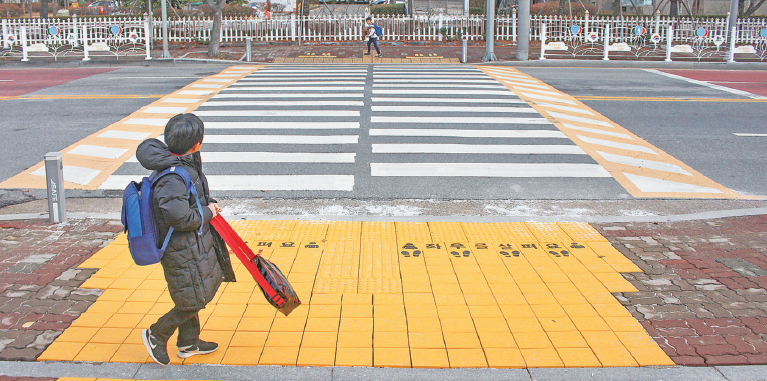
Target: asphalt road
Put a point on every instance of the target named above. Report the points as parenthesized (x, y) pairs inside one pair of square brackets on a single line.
[(700, 134)]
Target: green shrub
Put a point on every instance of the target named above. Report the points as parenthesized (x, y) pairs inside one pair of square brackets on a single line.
[(391, 9)]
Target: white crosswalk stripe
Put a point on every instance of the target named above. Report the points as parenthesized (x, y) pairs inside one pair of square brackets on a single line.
[(329, 131)]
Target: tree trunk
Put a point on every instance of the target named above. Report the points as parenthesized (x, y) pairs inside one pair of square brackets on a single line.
[(674, 11), (215, 33), (752, 8), (617, 8), (561, 10)]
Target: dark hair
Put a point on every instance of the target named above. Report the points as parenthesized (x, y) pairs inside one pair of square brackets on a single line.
[(182, 132), (368, 19)]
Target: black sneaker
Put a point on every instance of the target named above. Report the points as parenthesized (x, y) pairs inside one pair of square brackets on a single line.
[(157, 350), (379, 56), (367, 54), (202, 348)]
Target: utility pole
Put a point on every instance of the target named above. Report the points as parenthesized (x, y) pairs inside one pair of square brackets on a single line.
[(732, 22), (523, 30), (490, 32), (165, 52)]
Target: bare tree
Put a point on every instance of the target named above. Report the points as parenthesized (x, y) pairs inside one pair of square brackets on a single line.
[(748, 7), (215, 32)]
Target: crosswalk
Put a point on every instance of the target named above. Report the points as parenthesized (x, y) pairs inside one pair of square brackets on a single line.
[(403, 131), (486, 119)]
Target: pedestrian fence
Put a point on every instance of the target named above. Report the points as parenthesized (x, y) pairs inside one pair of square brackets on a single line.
[(59, 38), (572, 37)]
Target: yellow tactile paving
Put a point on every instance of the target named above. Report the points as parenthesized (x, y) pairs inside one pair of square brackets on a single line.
[(500, 295), (641, 168), (116, 139)]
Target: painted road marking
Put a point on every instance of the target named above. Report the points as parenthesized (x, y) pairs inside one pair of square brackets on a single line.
[(289, 113), (488, 170), (114, 144), (564, 108), (130, 135), (435, 85), (415, 79), (431, 92), (667, 99), (748, 135), (281, 139), (642, 169), (707, 84), (316, 95), (445, 109), (278, 157), (544, 149), (98, 151), (292, 79), (283, 125), (469, 133), (280, 103), (389, 294), (448, 100), (283, 83), (457, 120), (258, 182), (298, 88)]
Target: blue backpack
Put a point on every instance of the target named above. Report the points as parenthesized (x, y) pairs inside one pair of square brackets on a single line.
[(138, 217), (379, 32)]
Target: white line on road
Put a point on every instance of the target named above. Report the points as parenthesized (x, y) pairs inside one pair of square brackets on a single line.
[(206, 86), (550, 99), (595, 131), (164, 110), (641, 163), (377, 76), (283, 83), (282, 103), (194, 92), (296, 88), (281, 139), (300, 80), (269, 95), (128, 135), (263, 75), (457, 120), (748, 135), (278, 157), (98, 151), (257, 182), (311, 70), (559, 115), (535, 90), (564, 108), (488, 170), (180, 100), (610, 143), (431, 92), (448, 100), (295, 113), (453, 109), (281, 125), (515, 83), (444, 80), (526, 149), (155, 77), (436, 85), (468, 133), (707, 84)]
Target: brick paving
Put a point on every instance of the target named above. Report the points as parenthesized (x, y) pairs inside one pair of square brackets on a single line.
[(702, 295), (39, 294)]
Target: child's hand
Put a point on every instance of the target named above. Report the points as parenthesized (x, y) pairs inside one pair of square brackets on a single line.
[(214, 209), (218, 208)]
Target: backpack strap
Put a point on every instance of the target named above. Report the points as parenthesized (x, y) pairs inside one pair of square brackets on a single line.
[(189, 188)]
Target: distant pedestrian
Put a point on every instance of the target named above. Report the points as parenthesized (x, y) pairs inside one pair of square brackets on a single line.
[(372, 35), (196, 260)]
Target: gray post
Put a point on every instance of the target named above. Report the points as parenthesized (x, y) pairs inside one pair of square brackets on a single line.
[(249, 49), (54, 177), (523, 30), (465, 7), (165, 52), (464, 43), (732, 21), (489, 32)]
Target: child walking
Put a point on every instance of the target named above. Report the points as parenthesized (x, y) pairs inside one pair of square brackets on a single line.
[(193, 263), (372, 36)]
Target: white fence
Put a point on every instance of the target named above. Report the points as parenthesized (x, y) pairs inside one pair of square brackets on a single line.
[(395, 28)]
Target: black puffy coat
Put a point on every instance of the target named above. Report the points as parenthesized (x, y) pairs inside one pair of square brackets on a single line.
[(194, 264)]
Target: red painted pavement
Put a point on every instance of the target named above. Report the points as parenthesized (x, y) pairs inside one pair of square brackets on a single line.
[(15, 82), (747, 80)]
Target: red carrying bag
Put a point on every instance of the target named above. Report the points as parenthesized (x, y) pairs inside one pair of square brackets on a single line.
[(273, 283)]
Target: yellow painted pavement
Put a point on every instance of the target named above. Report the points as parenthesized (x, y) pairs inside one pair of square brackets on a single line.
[(389, 294)]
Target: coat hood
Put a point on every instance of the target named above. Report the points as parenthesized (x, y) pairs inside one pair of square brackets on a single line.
[(154, 155)]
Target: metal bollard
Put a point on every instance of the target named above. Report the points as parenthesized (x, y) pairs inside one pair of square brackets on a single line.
[(54, 177), (464, 43), (248, 48)]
